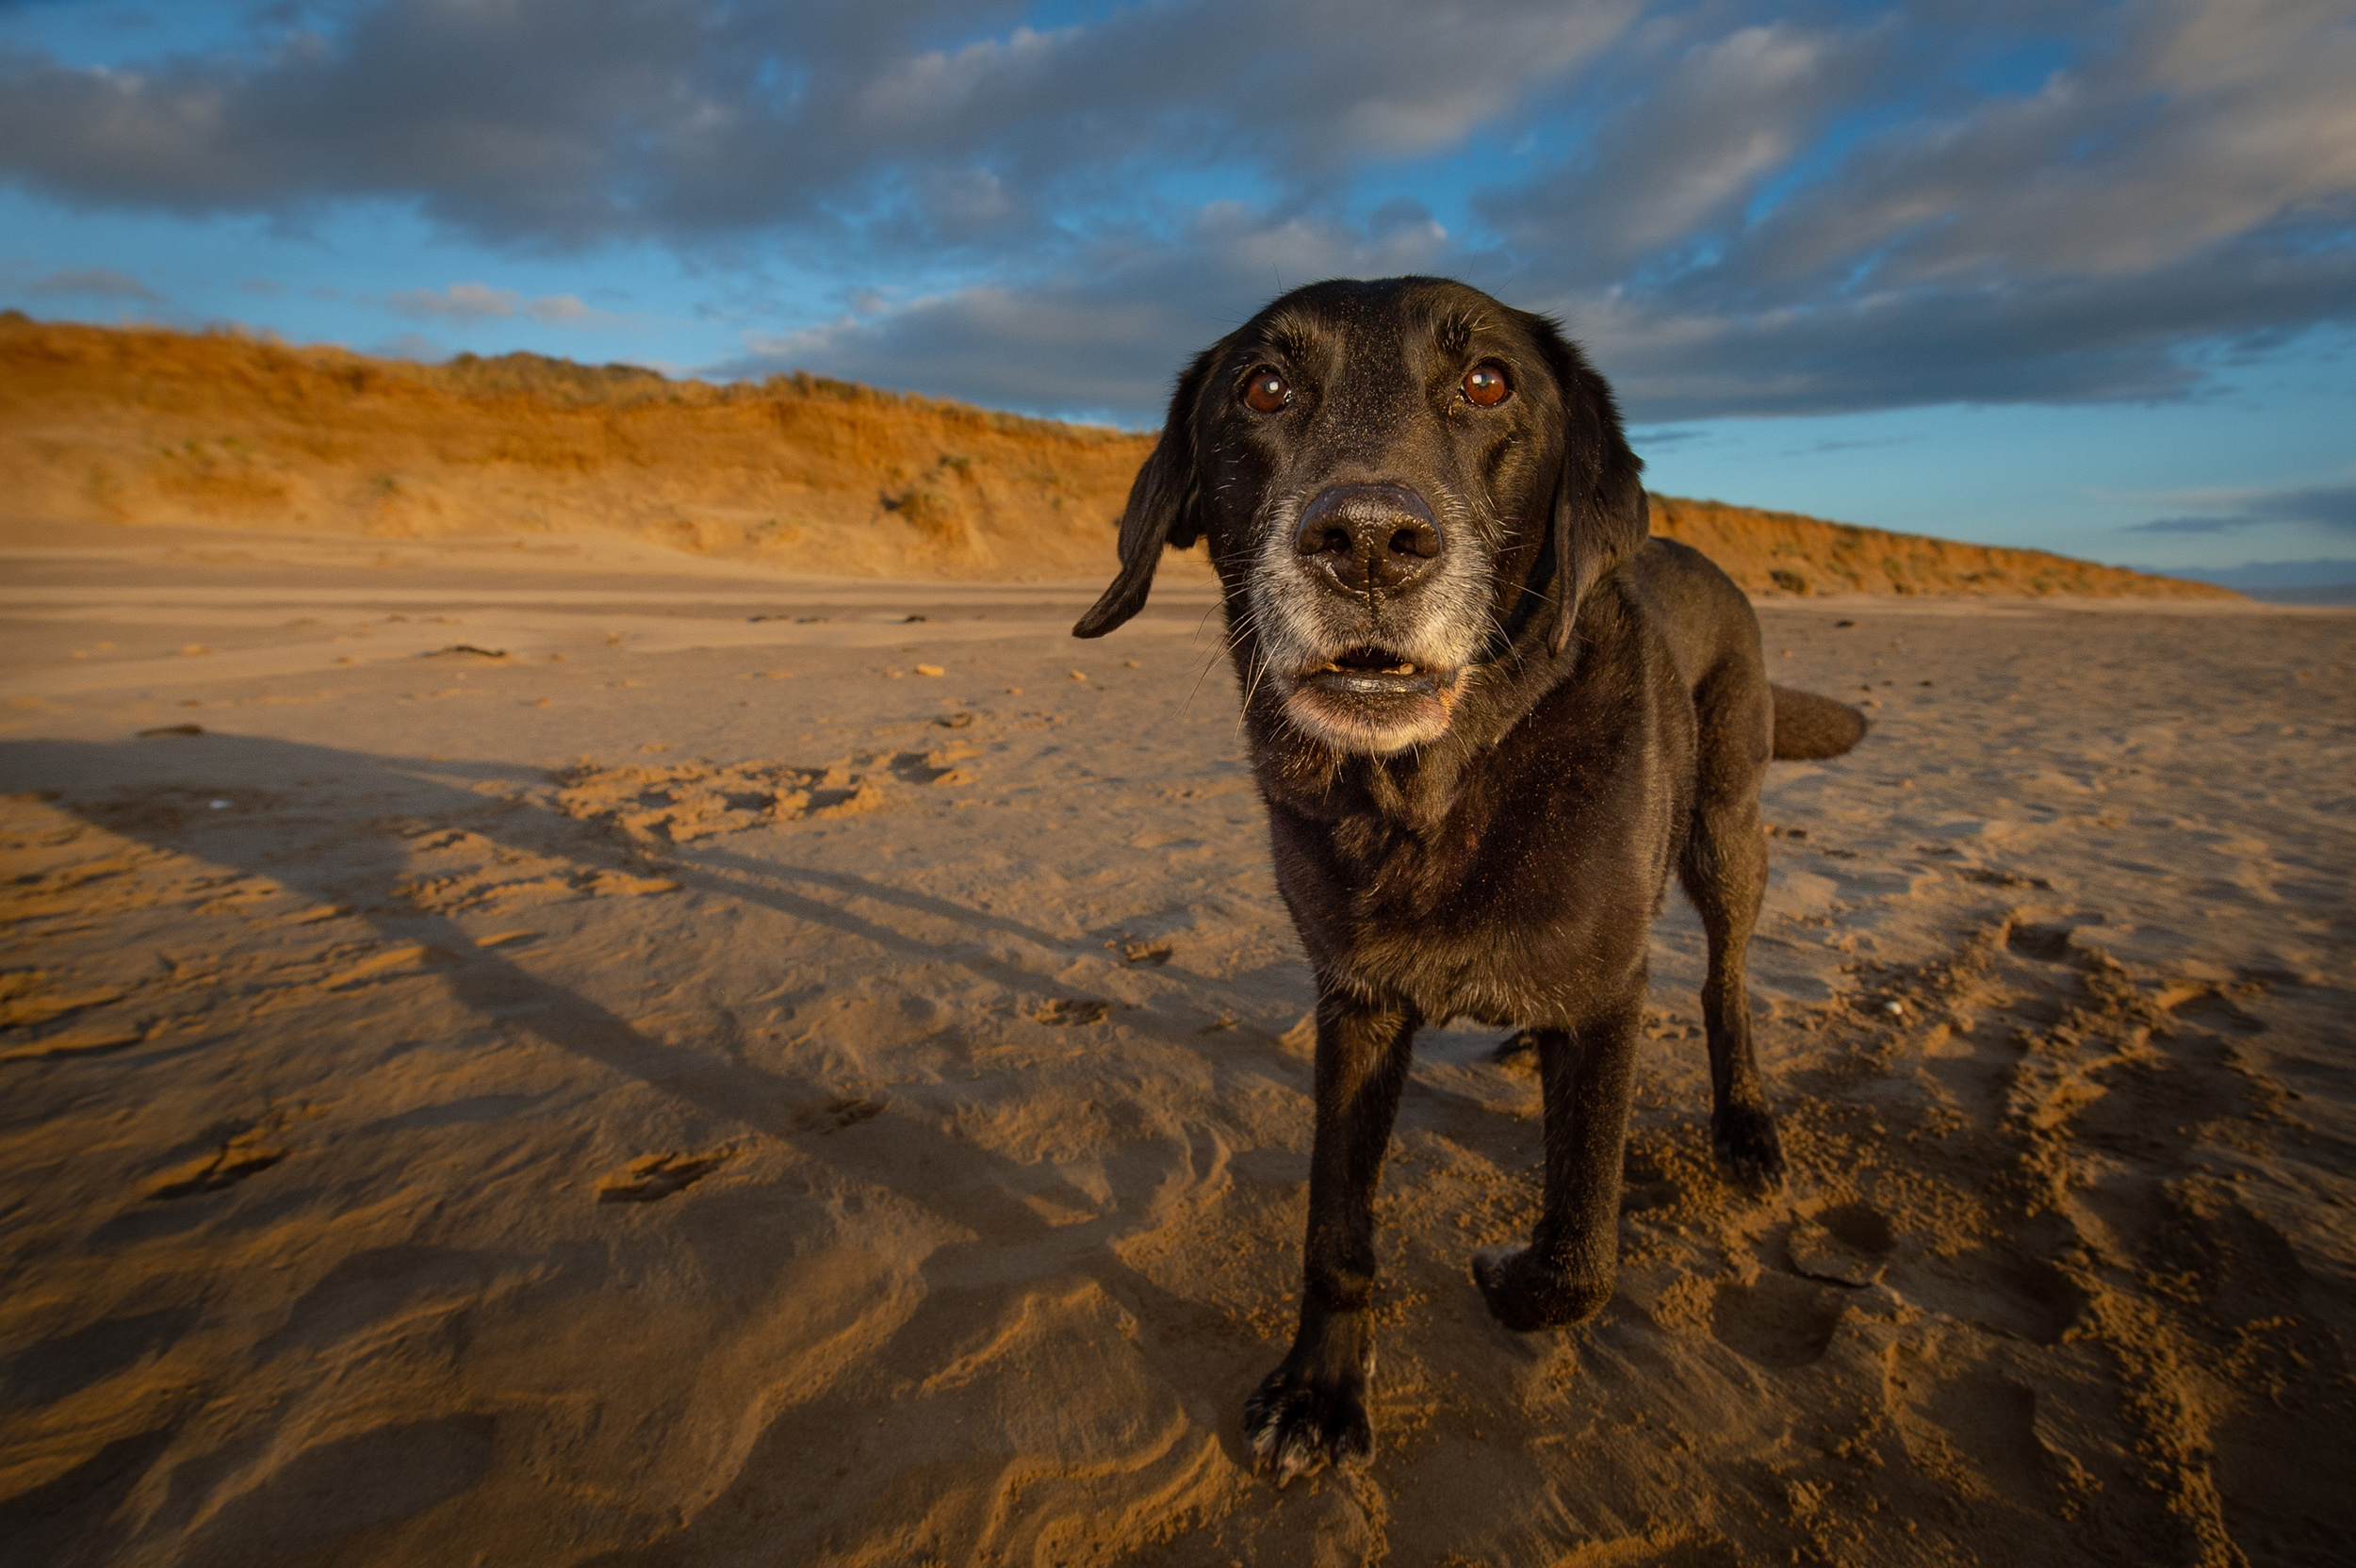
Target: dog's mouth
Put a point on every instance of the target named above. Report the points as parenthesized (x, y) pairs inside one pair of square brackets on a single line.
[(1374, 699), (1375, 671)]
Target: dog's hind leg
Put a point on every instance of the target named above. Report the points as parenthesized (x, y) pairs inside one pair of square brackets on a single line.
[(1724, 872), (1565, 1274), (1313, 1407)]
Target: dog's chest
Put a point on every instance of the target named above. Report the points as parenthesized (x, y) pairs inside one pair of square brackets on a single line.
[(1510, 909)]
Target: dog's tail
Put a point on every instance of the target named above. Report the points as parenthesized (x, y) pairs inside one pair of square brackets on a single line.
[(1809, 726)]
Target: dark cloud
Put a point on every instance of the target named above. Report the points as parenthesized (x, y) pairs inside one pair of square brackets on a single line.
[(1744, 209), (2191, 525), (1105, 339), (2260, 576), (1695, 138), (2330, 507), (467, 303), (459, 302), (1817, 447), (2192, 122), (2056, 339), (410, 345), (2191, 179), (2319, 573), (94, 282), (517, 120), (562, 122)]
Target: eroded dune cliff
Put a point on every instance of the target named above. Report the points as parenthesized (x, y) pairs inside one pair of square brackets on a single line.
[(148, 426)]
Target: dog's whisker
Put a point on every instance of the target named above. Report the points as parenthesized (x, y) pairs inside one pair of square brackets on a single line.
[(1259, 667), (1228, 645), (1200, 676)]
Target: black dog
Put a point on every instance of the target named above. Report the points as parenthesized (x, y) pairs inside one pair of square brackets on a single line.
[(1489, 717)]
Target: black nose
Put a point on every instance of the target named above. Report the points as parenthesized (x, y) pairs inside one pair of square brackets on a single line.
[(1370, 537)]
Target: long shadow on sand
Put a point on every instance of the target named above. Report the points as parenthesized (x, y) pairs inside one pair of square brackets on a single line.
[(329, 824)]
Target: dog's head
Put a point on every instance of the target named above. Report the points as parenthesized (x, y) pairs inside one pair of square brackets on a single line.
[(1400, 481)]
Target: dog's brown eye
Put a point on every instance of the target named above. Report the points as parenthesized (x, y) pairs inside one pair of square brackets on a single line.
[(1267, 392), (1485, 385)]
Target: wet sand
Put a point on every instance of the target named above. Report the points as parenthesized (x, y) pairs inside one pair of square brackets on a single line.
[(592, 1057)]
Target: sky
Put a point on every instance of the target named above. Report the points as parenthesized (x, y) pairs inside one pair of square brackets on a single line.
[(2073, 275)]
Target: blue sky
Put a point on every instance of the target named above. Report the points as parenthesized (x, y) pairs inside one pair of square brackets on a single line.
[(2074, 276)]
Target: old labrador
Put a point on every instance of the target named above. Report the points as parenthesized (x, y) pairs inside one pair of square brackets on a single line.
[(1490, 717)]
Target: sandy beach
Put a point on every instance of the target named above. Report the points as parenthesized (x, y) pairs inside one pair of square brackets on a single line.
[(555, 1052)]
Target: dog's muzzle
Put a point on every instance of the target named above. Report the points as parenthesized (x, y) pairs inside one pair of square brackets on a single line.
[(1373, 679)]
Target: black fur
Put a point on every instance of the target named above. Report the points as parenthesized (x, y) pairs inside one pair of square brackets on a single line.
[(1809, 726), (1484, 746)]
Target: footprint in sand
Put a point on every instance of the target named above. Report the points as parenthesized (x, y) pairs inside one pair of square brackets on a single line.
[(1065, 1010), (2047, 943), (1781, 1322), (651, 1177), (2216, 1012), (1971, 1426), (1991, 878), (1644, 1183), (937, 766), (246, 1154), (1847, 1245), (837, 1114)]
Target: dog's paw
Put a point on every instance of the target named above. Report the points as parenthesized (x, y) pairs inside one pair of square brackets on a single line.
[(1744, 1138), (1296, 1421), (1525, 1296)]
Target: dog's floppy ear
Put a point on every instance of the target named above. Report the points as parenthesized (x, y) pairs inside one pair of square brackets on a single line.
[(1165, 507), (1600, 514)]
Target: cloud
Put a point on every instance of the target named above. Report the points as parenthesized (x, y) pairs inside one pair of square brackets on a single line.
[(2330, 507), (1719, 260), (1103, 339), (459, 302), (1653, 438), (1744, 208), (1681, 158), (2260, 576), (2191, 525), (95, 282), (2054, 337), (2191, 179), (411, 345), (1862, 445), (567, 310), (560, 122), (470, 302)]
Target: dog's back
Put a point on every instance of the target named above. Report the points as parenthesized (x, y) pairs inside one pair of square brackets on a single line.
[(1710, 628)]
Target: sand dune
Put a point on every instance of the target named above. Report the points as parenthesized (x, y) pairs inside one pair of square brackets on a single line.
[(602, 1078), (100, 425)]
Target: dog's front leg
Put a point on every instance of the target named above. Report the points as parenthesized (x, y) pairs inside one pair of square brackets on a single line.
[(1567, 1272), (1313, 1408)]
